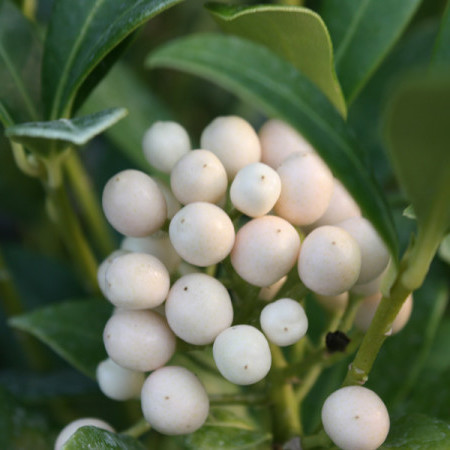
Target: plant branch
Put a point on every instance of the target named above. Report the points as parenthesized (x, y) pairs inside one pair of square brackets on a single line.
[(138, 429)]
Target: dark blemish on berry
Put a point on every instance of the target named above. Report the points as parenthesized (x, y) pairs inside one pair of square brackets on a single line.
[(333, 243), (278, 230), (336, 341), (185, 288), (263, 177), (286, 328), (117, 179), (108, 336), (356, 417), (182, 221), (205, 165), (166, 397), (246, 367)]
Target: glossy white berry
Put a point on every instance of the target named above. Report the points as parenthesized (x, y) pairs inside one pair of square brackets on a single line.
[(255, 189), (355, 418), (133, 203), (242, 354), (199, 176), (72, 427), (174, 401), (268, 293), (368, 307), (119, 383), (284, 322), (202, 233), (104, 266), (306, 188), (329, 261), (279, 140), (164, 143), (234, 141), (265, 250), (198, 308), (157, 244), (374, 254), (333, 303), (138, 340), (136, 281)]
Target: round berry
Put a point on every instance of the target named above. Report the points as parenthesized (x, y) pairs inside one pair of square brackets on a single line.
[(242, 354), (138, 340), (374, 254), (164, 143), (133, 203), (355, 418), (72, 427), (255, 189), (174, 401), (306, 188), (198, 308), (265, 250), (234, 142), (202, 233), (136, 281), (119, 383), (284, 322), (329, 261), (279, 140), (199, 176)]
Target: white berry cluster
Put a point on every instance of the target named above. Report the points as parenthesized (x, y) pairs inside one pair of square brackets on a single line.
[(157, 282)]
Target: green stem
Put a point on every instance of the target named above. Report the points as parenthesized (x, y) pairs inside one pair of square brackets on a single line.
[(84, 192), (319, 440), (308, 382), (350, 313), (250, 398), (138, 429)]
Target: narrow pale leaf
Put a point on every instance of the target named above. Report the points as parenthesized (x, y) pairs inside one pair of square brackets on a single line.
[(72, 329), (80, 34), (297, 34), (96, 438), (42, 137), (20, 57), (363, 32), (441, 55), (256, 74)]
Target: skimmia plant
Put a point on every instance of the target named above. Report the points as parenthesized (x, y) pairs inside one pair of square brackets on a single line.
[(251, 254)]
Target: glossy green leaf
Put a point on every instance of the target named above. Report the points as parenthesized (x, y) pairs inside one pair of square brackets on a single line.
[(297, 34), (72, 329), (122, 87), (418, 135), (256, 74), (96, 438), (420, 432), (363, 32), (441, 55), (20, 56), (80, 35), (226, 431), (44, 137)]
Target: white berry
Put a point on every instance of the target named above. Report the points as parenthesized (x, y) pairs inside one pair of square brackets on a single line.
[(157, 244), (329, 261), (118, 383), (164, 143), (374, 254), (265, 250), (202, 233), (104, 266), (138, 340), (136, 281), (279, 140), (234, 141), (255, 189), (133, 203), (284, 322), (355, 418), (242, 354), (174, 401), (198, 308), (199, 176), (72, 427), (306, 188)]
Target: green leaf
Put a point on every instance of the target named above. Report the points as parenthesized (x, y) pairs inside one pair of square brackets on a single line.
[(409, 212), (96, 438), (297, 34), (417, 431), (418, 135), (256, 74), (72, 329), (441, 55), (20, 57), (226, 431), (79, 37), (122, 87), (363, 32), (57, 135)]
